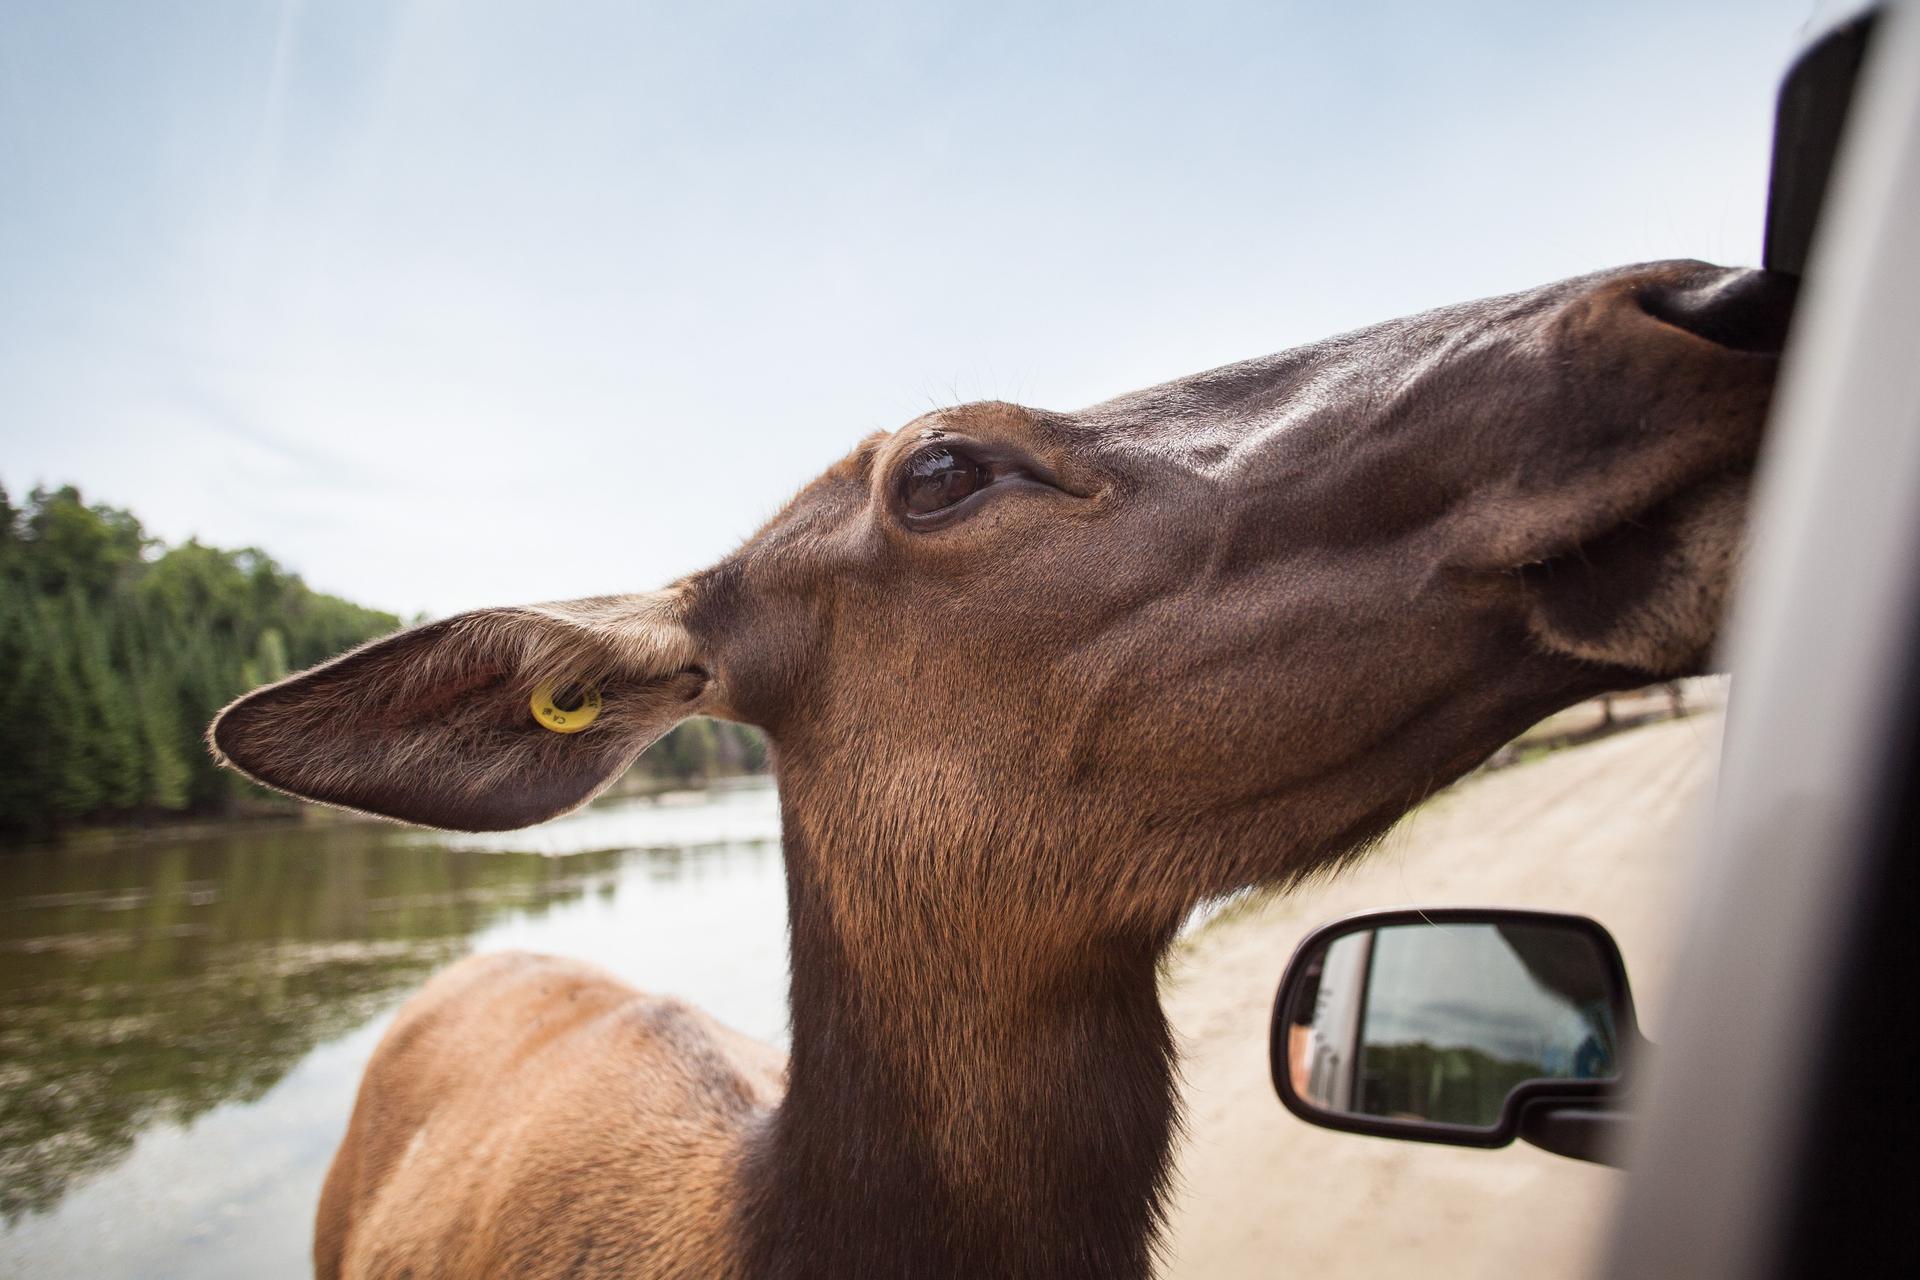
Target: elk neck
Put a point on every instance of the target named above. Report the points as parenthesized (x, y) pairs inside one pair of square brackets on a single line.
[(972, 1089)]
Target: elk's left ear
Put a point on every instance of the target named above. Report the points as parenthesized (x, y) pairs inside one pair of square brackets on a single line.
[(437, 726)]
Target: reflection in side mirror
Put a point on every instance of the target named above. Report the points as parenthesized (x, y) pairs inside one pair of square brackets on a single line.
[(1447, 1025)]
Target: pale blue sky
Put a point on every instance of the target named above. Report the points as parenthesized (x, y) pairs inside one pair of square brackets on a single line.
[(450, 304)]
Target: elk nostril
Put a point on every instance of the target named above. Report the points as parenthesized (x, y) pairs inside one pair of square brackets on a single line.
[(1744, 310)]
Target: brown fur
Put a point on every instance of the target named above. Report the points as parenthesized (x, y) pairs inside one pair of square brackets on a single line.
[(1214, 634), (592, 1084)]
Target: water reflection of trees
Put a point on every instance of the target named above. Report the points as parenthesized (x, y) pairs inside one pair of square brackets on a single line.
[(149, 982)]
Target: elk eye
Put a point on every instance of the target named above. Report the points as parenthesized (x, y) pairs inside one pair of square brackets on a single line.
[(938, 478)]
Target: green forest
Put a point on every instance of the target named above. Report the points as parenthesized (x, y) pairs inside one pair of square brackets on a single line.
[(116, 650)]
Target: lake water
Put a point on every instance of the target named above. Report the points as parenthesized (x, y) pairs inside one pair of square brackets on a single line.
[(184, 1019)]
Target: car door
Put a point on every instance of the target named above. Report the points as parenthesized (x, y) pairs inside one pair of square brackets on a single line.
[(1779, 1135)]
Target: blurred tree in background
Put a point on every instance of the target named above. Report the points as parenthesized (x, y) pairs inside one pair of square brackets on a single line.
[(115, 651)]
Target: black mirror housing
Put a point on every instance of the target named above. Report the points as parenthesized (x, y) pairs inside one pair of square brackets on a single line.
[(1458, 1025)]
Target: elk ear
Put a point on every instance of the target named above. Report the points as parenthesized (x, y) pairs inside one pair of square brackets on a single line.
[(436, 725)]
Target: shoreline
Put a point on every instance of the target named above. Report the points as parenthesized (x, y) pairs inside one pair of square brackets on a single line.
[(269, 815)]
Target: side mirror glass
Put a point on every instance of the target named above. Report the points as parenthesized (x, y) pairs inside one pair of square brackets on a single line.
[(1444, 1025)]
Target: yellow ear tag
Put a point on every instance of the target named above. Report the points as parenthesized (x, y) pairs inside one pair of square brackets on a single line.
[(565, 719)]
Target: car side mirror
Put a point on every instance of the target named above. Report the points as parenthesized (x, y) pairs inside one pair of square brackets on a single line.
[(1459, 1025)]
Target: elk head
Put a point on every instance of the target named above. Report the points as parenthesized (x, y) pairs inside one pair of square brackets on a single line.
[(1081, 669)]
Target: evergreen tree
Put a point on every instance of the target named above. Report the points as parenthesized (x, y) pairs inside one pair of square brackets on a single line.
[(26, 780), (269, 658), (106, 716), (165, 775), (64, 751)]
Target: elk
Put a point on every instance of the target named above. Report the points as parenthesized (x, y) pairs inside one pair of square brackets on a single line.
[(1036, 683)]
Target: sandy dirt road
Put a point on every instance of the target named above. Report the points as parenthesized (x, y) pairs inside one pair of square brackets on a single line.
[(1604, 829)]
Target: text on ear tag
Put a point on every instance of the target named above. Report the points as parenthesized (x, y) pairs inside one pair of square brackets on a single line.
[(568, 711)]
